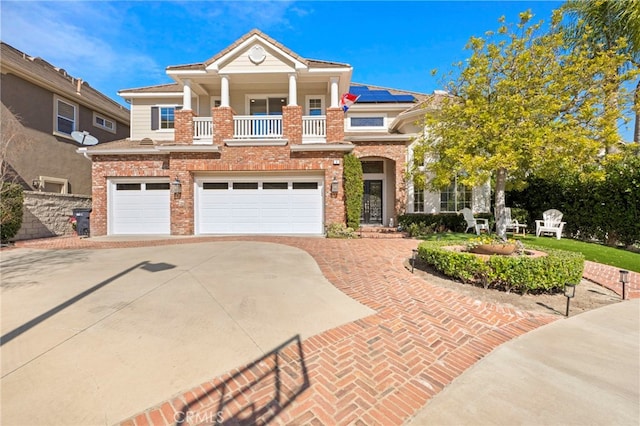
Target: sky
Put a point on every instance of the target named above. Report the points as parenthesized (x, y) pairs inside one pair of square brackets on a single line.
[(115, 45)]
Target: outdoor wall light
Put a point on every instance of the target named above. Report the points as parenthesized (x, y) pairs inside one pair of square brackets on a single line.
[(624, 279), (569, 293), (37, 184), (334, 185), (176, 186)]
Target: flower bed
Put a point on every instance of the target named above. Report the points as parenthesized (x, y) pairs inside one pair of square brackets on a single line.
[(530, 272)]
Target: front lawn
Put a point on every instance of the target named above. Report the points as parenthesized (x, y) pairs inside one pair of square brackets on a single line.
[(619, 258)]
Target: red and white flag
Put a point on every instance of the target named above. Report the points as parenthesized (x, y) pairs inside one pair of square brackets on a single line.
[(347, 100)]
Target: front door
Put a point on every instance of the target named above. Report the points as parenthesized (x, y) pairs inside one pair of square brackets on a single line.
[(372, 203)]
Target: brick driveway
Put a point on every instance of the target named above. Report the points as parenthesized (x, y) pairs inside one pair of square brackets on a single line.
[(377, 370)]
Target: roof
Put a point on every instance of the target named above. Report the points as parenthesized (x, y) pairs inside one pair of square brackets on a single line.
[(57, 80), (311, 63), (162, 88)]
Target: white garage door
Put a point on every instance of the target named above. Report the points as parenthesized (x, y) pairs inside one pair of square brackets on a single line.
[(140, 207), (263, 205)]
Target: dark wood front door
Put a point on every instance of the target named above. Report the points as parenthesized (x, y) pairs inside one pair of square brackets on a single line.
[(372, 203)]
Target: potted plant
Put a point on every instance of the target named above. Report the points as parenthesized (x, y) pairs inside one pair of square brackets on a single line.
[(488, 244)]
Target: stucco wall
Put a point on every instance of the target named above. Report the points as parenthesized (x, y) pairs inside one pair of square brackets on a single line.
[(47, 215)]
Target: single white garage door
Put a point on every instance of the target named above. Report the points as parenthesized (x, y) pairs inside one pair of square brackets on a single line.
[(139, 207), (259, 205)]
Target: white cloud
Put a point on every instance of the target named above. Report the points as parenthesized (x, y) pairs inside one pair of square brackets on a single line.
[(73, 36)]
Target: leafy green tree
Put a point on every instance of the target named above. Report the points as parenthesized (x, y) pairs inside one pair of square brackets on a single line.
[(521, 104), (10, 210), (607, 25)]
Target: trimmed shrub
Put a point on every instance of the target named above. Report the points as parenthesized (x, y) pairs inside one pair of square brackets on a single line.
[(353, 189), (520, 274), (339, 230), (10, 210), (425, 223)]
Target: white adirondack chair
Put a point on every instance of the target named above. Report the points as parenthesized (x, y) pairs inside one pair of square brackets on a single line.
[(512, 224), (472, 222), (551, 223)]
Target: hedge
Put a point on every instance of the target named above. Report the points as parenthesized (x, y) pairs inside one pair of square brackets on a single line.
[(426, 223), (605, 208), (10, 210), (353, 189), (520, 274)]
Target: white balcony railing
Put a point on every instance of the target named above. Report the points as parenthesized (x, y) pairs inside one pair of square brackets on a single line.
[(257, 127), (203, 128), (314, 128)]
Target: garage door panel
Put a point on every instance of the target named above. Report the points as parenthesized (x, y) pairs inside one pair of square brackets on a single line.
[(136, 210), (270, 209)]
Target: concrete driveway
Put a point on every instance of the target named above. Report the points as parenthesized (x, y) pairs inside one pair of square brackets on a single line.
[(85, 332)]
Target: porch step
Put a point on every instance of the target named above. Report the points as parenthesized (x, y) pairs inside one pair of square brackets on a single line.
[(380, 232)]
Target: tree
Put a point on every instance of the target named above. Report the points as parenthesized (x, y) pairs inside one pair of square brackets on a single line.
[(11, 191), (603, 24), (522, 104)]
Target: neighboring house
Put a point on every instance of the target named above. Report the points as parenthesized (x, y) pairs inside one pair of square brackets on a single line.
[(251, 141), (41, 106)]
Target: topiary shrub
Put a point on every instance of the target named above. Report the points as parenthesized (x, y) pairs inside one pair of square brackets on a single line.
[(520, 274), (353, 189), (11, 198)]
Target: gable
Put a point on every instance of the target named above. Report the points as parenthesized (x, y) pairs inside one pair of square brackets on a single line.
[(255, 53), (258, 58)]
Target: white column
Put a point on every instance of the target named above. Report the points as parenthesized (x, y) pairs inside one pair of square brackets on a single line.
[(293, 90), (224, 91), (334, 92), (186, 95)]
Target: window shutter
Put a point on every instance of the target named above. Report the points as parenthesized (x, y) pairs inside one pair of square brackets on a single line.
[(155, 118)]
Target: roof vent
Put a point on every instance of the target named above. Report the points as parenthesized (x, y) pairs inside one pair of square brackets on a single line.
[(147, 141)]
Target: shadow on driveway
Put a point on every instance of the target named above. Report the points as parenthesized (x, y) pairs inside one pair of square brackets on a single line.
[(254, 394)]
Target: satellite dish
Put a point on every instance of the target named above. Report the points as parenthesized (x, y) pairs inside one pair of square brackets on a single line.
[(84, 138)]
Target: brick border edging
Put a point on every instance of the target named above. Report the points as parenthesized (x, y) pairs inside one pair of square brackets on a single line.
[(609, 276)]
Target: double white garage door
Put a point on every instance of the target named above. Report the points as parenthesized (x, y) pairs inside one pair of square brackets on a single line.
[(230, 204)]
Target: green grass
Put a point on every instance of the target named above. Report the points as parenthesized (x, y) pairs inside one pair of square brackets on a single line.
[(619, 258)]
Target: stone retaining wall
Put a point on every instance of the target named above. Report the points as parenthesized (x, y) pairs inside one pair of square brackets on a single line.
[(46, 214)]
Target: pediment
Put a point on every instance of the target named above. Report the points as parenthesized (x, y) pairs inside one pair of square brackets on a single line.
[(257, 55)]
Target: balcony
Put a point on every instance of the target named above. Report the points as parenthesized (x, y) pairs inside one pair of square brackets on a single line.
[(254, 128)]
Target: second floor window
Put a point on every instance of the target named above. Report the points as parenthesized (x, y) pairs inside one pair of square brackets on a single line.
[(65, 117), (163, 117), (315, 106)]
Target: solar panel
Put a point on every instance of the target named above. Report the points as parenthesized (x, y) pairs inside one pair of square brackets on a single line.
[(378, 96)]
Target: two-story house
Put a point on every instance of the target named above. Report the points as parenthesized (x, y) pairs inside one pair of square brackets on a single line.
[(41, 106), (252, 141)]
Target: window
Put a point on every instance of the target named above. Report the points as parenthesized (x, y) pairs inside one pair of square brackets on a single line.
[(455, 198), (164, 186), (215, 185), (275, 185), (66, 116), (418, 201), (373, 167), (245, 185), (367, 122), (315, 106), (305, 185), (128, 187), (266, 105), (163, 117), (104, 123), (51, 184)]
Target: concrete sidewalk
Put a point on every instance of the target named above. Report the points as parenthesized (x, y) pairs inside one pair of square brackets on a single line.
[(577, 371)]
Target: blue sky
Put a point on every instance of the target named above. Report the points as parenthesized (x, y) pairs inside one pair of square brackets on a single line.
[(116, 45)]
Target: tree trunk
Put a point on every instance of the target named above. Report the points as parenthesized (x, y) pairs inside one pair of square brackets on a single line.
[(636, 104), (501, 224)]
